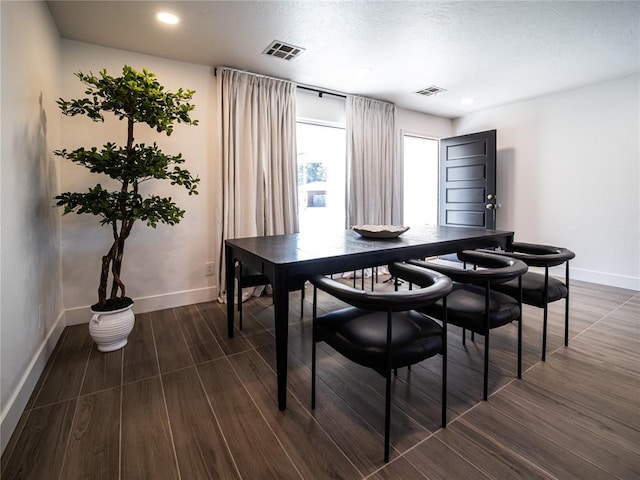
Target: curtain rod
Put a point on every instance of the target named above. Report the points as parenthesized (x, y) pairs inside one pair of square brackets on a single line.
[(319, 91)]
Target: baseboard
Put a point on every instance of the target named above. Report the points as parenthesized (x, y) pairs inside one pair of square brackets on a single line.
[(75, 316), (604, 278), (18, 401)]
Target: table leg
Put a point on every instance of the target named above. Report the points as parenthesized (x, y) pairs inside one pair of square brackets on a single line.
[(281, 315), (229, 276)]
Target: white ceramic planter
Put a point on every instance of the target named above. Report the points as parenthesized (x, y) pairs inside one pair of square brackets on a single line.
[(110, 329)]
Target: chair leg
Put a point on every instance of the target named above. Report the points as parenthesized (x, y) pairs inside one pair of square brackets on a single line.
[(240, 306), (544, 333), (487, 329), (520, 347), (313, 349), (566, 308), (387, 419), (566, 321), (520, 327), (444, 366), (302, 301), (486, 367), (544, 320)]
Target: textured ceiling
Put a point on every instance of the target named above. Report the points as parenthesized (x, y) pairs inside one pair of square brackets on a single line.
[(494, 52)]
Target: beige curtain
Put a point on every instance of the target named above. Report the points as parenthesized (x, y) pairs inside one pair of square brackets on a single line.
[(257, 150), (373, 165)]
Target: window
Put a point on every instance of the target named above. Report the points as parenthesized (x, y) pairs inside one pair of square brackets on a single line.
[(321, 177), (420, 180)]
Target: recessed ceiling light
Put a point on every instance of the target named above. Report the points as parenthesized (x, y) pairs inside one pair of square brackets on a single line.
[(168, 18), (467, 101)]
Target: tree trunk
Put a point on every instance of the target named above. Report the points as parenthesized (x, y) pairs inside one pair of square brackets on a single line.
[(104, 273), (117, 262)]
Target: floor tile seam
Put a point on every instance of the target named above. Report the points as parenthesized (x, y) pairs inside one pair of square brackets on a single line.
[(293, 396), (75, 411), (560, 446), (404, 411), (256, 405), (414, 387), (584, 405), (213, 335), (17, 439), (620, 305), (403, 455), (142, 379), (550, 357), (47, 405), (598, 361), (121, 417), (362, 419), (217, 420), (577, 423), (68, 442), (47, 372), (164, 400), (469, 462), (563, 347), (184, 337), (311, 414), (508, 449)]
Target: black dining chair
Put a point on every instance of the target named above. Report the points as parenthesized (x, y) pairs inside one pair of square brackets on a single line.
[(251, 278), (383, 330), (474, 304), (540, 289)]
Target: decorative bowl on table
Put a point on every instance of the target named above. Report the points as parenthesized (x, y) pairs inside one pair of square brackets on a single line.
[(380, 231)]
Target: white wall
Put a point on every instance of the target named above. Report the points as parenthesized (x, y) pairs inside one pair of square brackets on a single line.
[(425, 125), (31, 287), (568, 175), (165, 266)]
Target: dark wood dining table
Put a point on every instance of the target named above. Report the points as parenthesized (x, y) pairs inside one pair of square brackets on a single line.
[(283, 258)]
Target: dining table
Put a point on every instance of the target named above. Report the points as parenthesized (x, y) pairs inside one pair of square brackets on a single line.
[(285, 259)]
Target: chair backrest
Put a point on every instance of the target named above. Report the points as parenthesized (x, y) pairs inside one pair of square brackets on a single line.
[(433, 285), (496, 268), (536, 255)]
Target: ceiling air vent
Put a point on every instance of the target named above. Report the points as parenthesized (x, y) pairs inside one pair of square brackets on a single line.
[(432, 90), (283, 50)]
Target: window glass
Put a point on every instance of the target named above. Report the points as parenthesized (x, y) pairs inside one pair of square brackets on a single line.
[(321, 177), (420, 180)]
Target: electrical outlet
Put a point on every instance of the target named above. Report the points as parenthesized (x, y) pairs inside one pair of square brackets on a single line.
[(208, 269)]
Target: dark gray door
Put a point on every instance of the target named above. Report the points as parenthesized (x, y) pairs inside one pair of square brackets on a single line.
[(468, 180)]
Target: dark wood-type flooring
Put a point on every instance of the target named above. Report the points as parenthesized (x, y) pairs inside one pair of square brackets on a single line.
[(182, 401)]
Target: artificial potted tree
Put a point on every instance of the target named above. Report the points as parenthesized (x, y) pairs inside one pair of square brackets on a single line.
[(135, 97)]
